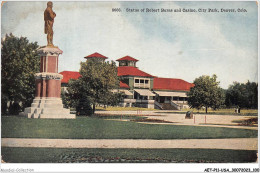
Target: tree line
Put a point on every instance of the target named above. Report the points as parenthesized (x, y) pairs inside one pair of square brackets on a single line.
[(19, 62), (208, 94), (98, 84)]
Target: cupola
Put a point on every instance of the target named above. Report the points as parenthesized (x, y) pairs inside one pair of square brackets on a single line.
[(127, 61), (97, 56)]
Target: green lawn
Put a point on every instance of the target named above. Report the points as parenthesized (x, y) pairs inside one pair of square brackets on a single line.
[(99, 128), (76, 155)]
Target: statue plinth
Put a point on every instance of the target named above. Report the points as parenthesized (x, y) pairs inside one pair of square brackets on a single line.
[(47, 102), (49, 50)]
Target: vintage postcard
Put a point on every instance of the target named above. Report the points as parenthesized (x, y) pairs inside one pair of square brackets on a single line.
[(148, 86)]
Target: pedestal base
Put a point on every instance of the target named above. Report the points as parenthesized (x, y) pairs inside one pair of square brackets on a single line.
[(47, 108)]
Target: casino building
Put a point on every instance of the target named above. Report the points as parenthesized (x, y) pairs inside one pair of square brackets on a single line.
[(141, 89)]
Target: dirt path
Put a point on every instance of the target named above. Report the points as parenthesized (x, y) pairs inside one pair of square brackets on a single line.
[(234, 143), (228, 121)]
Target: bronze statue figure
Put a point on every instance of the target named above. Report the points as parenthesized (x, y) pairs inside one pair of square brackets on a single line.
[(49, 16)]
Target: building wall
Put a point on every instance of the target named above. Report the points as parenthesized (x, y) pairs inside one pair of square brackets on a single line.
[(151, 83), (131, 83)]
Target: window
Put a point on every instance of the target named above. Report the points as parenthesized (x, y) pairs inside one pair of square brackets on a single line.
[(131, 63), (141, 83), (122, 63)]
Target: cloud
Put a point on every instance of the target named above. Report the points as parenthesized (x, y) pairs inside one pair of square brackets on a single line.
[(176, 45), (205, 50)]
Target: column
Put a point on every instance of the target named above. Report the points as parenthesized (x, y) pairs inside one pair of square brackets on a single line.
[(44, 88), (38, 88), (51, 88), (58, 87)]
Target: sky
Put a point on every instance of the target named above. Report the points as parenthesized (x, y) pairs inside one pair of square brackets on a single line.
[(184, 45)]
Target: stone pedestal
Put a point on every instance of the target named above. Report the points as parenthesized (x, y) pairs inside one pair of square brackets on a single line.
[(47, 102), (47, 108)]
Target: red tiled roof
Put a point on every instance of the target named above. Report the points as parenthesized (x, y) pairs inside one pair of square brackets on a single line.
[(123, 85), (171, 84), (127, 58), (131, 71), (67, 75), (95, 55), (159, 83)]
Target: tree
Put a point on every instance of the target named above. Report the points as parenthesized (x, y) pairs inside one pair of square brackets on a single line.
[(20, 62), (77, 98), (98, 80), (242, 95), (206, 93)]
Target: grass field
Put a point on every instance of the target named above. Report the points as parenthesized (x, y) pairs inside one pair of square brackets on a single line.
[(99, 128), (51, 155)]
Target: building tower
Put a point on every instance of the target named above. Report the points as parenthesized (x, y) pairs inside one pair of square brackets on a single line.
[(97, 56), (127, 61)]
